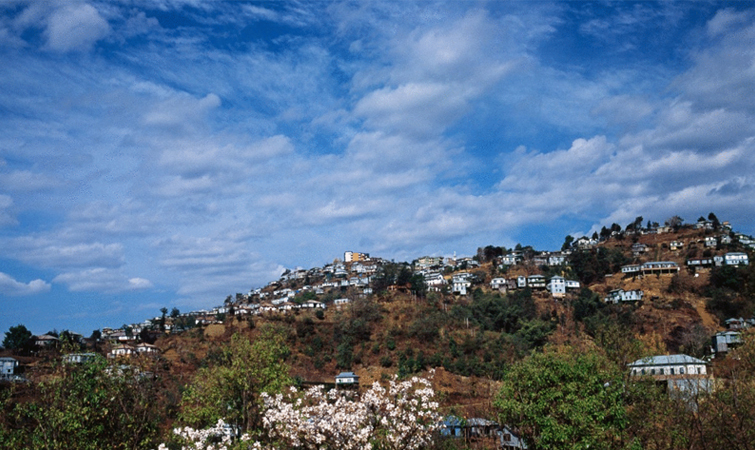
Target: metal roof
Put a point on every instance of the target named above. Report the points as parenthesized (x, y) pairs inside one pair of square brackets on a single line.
[(665, 360)]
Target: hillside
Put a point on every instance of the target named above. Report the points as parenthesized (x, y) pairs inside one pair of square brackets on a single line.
[(466, 341)]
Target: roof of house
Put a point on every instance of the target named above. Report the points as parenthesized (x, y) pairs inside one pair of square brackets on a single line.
[(347, 375), (665, 360)]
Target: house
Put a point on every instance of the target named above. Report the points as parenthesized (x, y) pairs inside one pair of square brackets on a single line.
[(521, 281), (585, 242), (79, 358), (739, 324), (557, 287), (435, 279), (509, 439), (676, 245), (341, 301), (121, 351), (497, 283), (355, 256), (683, 375), (556, 259), (700, 262), (638, 249), (147, 349), (473, 428), (7, 366), (347, 379), (725, 341), (426, 262), (45, 340), (617, 296), (648, 268), (667, 365), (512, 259), (536, 281), (461, 282), (711, 241), (736, 259)]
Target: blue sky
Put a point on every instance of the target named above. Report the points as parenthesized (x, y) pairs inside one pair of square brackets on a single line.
[(171, 153)]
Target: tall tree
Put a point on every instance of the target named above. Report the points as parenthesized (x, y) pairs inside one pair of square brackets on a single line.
[(16, 338)]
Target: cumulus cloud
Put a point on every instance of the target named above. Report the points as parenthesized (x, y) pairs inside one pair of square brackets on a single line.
[(11, 287)]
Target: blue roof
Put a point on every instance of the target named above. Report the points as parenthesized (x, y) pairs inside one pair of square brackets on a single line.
[(665, 360), (347, 375)]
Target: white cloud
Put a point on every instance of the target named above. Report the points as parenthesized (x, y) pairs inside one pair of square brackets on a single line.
[(725, 20), (101, 279), (53, 251), (6, 217), (75, 27), (11, 287)]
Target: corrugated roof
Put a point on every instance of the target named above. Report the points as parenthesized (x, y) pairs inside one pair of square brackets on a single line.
[(664, 360)]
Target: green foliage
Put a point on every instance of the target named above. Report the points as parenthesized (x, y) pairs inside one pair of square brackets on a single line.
[(731, 291), (89, 407), (501, 314), (564, 400), (230, 388), (592, 265), (16, 338)]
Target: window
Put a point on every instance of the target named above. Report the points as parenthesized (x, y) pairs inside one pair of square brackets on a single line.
[(681, 370)]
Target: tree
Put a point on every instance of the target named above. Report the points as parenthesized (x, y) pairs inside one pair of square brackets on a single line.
[(675, 222), (563, 399), (568, 241), (16, 338), (418, 285), (88, 407), (716, 224), (175, 313), (231, 388)]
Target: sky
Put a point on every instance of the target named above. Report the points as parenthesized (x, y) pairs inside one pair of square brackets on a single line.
[(170, 153)]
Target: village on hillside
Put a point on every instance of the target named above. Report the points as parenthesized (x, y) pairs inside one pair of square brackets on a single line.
[(632, 266)]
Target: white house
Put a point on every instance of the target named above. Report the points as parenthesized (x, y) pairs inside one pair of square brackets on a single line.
[(667, 365), (7, 366), (341, 301), (557, 286), (498, 283), (620, 295), (147, 349), (556, 259), (736, 259), (78, 358), (121, 350), (347, 378)]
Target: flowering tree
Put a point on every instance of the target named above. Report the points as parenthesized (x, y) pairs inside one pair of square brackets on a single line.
[(402, 416)]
